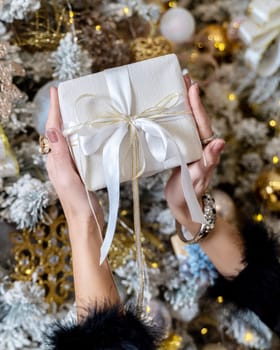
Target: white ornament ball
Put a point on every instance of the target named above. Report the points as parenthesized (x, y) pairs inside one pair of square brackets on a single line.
[(225, 206), (177, 25), (42, 102)]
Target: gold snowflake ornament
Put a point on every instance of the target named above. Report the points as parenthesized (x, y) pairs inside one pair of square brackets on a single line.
[(45, 254)]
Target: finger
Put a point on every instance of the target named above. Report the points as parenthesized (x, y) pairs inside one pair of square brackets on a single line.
[(187, 80), (188, 83), (212, 153), (57, 141), (201, 117), (54, 117)]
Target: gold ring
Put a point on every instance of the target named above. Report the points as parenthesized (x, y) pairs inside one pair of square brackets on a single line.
[(44, 145), (207, 140)]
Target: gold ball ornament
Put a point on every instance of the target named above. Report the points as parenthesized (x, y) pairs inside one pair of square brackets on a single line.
[(225, 206), (267, 188), (213, 39), (201, 66), (144, 48)]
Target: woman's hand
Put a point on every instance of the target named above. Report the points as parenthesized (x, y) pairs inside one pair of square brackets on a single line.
[(200, 172), (62, 172), (224, 245), (93, 283)]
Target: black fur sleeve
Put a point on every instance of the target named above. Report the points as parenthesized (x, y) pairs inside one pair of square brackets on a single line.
[(106, 328), (257, 287)]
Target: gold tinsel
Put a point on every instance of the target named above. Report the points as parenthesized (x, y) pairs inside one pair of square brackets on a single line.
[(43, 29), (46, 254), (9, 93), (123, 247), (144, 48), (267, 189)]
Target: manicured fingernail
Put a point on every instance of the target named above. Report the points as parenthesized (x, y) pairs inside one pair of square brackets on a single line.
[(52, 135)]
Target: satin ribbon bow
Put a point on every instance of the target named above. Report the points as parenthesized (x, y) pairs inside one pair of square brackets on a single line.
[(259, 32)]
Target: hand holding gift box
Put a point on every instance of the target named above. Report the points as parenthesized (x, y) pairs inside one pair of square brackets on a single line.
[(128, 122)]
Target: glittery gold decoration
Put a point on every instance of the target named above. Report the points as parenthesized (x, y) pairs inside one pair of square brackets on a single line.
[(145, 48), (123, 247), (173, 342), (268, 189), (9, 93), (46, 254), (213, 39), (43, 29)]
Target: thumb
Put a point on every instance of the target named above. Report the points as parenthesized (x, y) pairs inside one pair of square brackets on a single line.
[(54, 117), (57, 141)]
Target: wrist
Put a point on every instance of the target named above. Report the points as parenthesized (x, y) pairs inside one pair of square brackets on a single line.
[(209, 212)]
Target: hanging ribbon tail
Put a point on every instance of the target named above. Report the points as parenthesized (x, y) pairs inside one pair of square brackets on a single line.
[(189, 194), (111, 166)]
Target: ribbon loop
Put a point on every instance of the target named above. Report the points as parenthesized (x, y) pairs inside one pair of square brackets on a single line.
[(260, 33)]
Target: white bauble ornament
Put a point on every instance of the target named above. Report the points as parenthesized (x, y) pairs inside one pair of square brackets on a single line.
[(177, 25), (225, 206), (41, 106)]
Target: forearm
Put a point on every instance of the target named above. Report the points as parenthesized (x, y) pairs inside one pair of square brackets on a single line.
[(93, 283), (223, 245)]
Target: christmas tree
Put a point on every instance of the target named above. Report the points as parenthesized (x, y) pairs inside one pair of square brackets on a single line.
[(232, 49)]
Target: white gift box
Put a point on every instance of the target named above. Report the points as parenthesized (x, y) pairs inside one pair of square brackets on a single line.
[(133, 89), (104, 113)]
